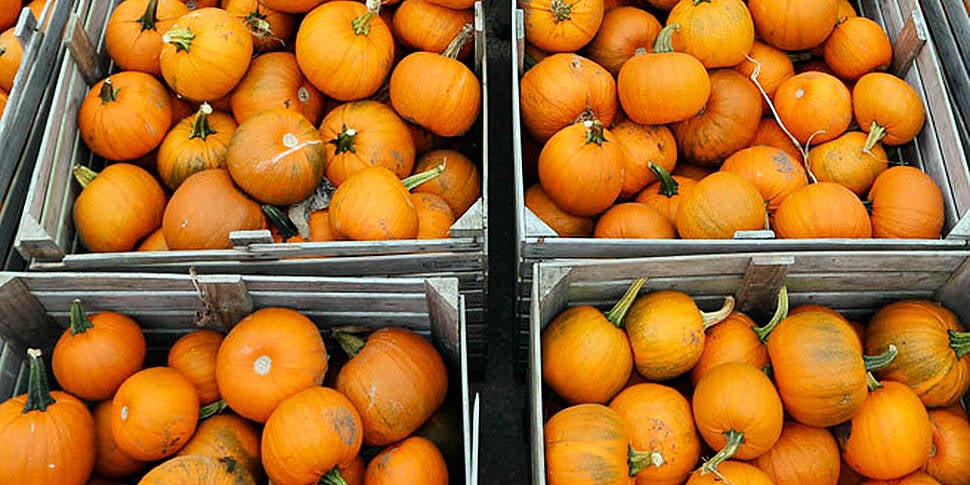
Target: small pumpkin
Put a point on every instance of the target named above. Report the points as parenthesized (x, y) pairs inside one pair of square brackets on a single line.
[(272, 30), (154, 242), (802, 454), (888, 108), (666, 194), (769, 133), (435, 218), (624, 30), (414, 461), (915, 478), (426, 26), (848, 161), (227, 438), (351, 472), (561, 26), (906, 203), (133, 36), (184, 470), (366, 133), (110, 462), (459, 184), (633, 220), (356, 214), (11, 53), (196, 143), (194, 355), (719, 33), (155, 413), (584, 89), (814, 106), (117, 207), (10, 13), (807, 214), (581, 168), (274, 80), (735, 472), (856, 47), (771, 170), (645, 145), (292, 6), (793, 25), (564, 223), (587, 444), (772, 66), (125, 116), (720, 205), (205, 209), (950, 455)]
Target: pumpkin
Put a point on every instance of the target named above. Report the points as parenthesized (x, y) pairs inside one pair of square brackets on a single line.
[(206, 54), (352, 473), (270, 355), (396, 380), (96, 354), (205, 209), (581, 168), (9, 13), (586, 356), (194, 355), (770, 134), (196, 469), (3, 101), (11, 53), (412, 461), (857, 46), (771, 65), (720, 205), (357, 215), (125, 116), (437, 91), (719, 33), (340, 30), (814, 106), (320, 227), (738, 412), (274, 80), (661, 424), (426, 26), (117, 207), (133, 36), (633, 220), (847, 161), (154, 242), (802, 454), (459, 184), (915, 478), (807, 214), (443, 429), (666, 194), (950, 455), (197, 4), (587, 444), (888, 108), (846, 10), (771, 170), (227, 438), (564, 223), (435, 218), (452, 4), (662, 86), (272, 30), (693, 172), (196, 143), (733, 472), (726, 124), (819, 369), (561, 26), (361, 134), (110, 461), (155, 413), (906, 203), (624, 30), (645, 145), (43, 428), (931, 349), (292, 6), (319, 419), (793, 25), (866, 444), (583, 90)]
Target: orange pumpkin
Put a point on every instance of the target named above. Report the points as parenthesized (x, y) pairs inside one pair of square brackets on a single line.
[(117, 207), (356, 214), (125, 116), (11, 53), (459, 184), (154, 242), (857, 46), (271, 30), (205, 209), (802, 454), (735, 472), (949, 455), (915, 478), (195, 144), (133, 36), (270, 355), (772, 66), (564, 223), (847, 161), (645, 145), (581, 168), (194, 355), (771, 170), (846, 10), (807, 214), (561, 26), (9, 13), (396, 380), (196, 469), (583, 89), (906, 203), (434, 216), (206, 54), (718, 206), (719, 33), (155, 413), (736, 339), (110, 462), (633, 220), (587, 444), (413, 461), (361, 134), (292, 6), (624, 30), (770, 134), (815, 107), (227, 438), (794, 25), (426, 26), (274, 80), (888, 108), (197, 4), (666, 194)]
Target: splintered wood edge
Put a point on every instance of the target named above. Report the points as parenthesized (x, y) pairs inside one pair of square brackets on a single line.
[(762, 280), (89, 64), (909, 43), (446, 316)]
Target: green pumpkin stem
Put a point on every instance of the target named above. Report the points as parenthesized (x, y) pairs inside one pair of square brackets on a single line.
[(420, 178), (201, 127), (458, 42), (618, 312), (108, 92), (3, 50), (668, 186), (79, 321), (361, 24), (716, 317), (872, 382), (257, 24), (594, 132), (876, 362), (561, 11), (529, 60), (350, 343), (84, 175), (734, 441), (345, 140), (332, 477), (150, 17), (664, 42), (698, 2), (876, 134), (180, 38), (800, 56), (781, 312), (959, 342), (639, 460), (38, 392), (212, 409), (281, 221)]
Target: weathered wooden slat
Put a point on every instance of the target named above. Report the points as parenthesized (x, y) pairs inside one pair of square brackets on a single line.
[(908, 44)]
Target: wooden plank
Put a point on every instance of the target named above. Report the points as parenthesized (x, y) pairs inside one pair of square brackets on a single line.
[(441, 299), (86, 58), (908, 44), (763, 278), (24, 318), (225, 300)]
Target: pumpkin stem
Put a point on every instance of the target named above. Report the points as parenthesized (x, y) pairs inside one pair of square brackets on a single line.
[(528, 58), (257, 24), (959, 342), (458, 43), (361, 24), (180, 38), (714, 318), (84, 175), (79, 321), (108, 92), (664, 42), (781, 312), (639, 460), (420, 178), (872, 382), (668, 186), (734, 441), (212, 409), (148, 19), (618, 312), (332, 477), (201, 127), (38, 392), (345, 140), (876, 133), (876, 362), (281, 221), (698, 2), (3, 50), (351, 344), (594, 132), (799, 56), (560, 10)]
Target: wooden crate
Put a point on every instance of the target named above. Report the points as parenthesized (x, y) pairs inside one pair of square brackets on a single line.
[(855, 284), (948, 22), (36, 310), (47, 239), (937, 151)]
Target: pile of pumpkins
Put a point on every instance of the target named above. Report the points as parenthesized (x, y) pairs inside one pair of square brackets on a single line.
[(249, 114), (11, 50), (699, 118), (232, 409), (642, 390)]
